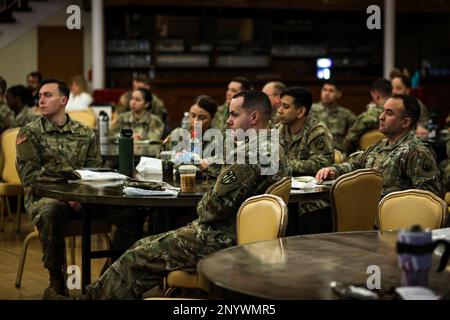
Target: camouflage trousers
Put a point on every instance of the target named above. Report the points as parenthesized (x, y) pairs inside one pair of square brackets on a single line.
[(51, 215), (314, 217), (142, 266)]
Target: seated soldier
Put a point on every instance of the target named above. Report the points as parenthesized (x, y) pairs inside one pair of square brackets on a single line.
[(380, 90), (308, 144), (48, 147), (273, 89), (202, 112), (17, 97), (145, 125), (403, 160), (338, 119), (236, 85)]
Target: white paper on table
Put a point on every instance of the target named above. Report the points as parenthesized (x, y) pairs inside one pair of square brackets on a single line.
[(416, 293), (129, 191), (149, 165), (89, 175), (305, 182)]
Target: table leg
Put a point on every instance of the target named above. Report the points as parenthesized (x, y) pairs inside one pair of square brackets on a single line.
[(85, 247)]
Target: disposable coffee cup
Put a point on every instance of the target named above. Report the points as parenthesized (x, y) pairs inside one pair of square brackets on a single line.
[(187, 177)]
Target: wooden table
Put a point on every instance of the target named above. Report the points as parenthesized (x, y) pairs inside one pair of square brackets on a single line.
[(302, 267), (91, 195)]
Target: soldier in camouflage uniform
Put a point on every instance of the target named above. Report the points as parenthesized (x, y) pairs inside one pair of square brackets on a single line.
[(401, 85), (201, 112), (338, 119), (273, 90), (380, 91), (403, 160), (48, 149), (17, 96), (145, 125), (236, 85), (142, 81), (150, 259), (308, 144), (6, 115)]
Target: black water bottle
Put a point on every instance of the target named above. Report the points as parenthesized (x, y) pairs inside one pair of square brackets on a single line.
[(126, 154)]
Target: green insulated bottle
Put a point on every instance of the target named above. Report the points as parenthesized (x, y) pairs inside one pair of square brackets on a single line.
[(126, 154)]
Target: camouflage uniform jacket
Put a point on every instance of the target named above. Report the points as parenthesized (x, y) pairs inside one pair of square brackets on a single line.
[(149, 126), (446, 170), (25, 116), (215, 227), (310, 149), (45, 150), (364, 122), (338, 119), (212, 168), (158, 108), (220, 118), (408, 164), (6, 117)]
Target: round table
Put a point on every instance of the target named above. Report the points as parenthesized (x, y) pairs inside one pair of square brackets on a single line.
[(302, 267)]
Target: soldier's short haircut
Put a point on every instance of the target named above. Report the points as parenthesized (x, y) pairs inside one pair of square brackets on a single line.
[(35, 74), (20, 91), (207, 104), (62, 86), (245, 83), (302, 97), (143, 78), (256, 100), (405, 80), (3, 86), (382, 86), (332, 83), (411, 107), (278, 86)]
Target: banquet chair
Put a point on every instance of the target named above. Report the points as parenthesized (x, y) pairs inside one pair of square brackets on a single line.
[(71, 230), (85, 117), (281, 188), (267, 211), (10, 184), (370, 138), (354, 200), (402, 209)]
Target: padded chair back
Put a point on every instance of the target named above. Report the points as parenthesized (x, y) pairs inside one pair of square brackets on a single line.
[(338, 157), (354, 200), (281, 188), (85, 117), (370, 138), (262, 217), (402, 209), (8, 142)]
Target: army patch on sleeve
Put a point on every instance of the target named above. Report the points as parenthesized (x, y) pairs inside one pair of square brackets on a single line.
[(228, 178), (427, 165), (22, 138), (319, 144)]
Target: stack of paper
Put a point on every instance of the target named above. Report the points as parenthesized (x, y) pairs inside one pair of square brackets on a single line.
[(304, 182), (89, 175), (129, 191)]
